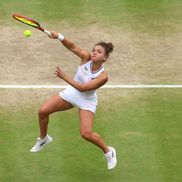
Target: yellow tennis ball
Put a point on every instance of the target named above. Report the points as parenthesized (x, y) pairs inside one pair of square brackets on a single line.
[(27, 33)]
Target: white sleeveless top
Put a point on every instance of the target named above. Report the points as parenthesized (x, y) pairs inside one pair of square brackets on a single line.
[(84, 74)]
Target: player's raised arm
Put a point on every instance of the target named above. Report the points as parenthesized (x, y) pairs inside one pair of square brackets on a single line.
[(83, 54)]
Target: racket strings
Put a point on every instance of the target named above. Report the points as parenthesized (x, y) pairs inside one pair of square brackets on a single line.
[(26, 21)]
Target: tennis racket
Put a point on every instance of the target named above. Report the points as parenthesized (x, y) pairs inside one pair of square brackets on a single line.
[(30, 22)]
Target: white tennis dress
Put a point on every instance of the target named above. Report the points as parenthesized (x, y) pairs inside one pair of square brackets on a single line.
[(84, 100)]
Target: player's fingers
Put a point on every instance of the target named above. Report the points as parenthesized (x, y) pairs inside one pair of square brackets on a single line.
[(54, 34), (57, 75), (58, 72), (58, 69), (51, 36)]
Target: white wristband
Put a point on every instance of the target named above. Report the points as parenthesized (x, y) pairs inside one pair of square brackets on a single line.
[(60, 37)]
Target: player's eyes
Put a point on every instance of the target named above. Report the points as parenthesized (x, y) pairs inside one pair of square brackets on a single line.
[(98, 51)]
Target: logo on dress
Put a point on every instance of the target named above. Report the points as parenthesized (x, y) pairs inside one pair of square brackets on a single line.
[(85, 68)]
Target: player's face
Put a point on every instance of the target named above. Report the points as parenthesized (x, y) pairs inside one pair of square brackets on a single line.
[(98, 54)]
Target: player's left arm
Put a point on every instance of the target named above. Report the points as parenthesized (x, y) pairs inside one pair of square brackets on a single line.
[(82, 87)]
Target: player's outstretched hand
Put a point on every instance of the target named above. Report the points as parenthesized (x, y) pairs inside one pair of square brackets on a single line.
[(54, 35), (59, 73)]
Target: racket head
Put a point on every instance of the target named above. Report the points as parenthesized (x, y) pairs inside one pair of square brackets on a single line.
[(28, 21)]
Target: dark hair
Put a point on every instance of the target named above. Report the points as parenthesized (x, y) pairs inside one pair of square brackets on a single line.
[(107, 46)]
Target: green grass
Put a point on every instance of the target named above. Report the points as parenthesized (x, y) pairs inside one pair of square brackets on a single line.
[(144, 125), (155, 16)]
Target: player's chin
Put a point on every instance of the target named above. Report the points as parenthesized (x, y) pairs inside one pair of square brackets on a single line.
[(94, 59)]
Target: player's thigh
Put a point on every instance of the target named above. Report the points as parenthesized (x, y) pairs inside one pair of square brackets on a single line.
[(86, 120), (54, 104)]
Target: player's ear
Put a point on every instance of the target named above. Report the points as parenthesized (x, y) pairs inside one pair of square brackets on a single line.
[(105, 58)]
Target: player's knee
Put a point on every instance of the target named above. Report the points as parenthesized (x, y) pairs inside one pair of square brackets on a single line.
[(87, 135), (42, 112)]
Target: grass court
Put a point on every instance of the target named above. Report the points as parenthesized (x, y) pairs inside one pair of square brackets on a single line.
[(144, 125)]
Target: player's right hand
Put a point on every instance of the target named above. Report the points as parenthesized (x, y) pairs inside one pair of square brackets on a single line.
[(54, 35)]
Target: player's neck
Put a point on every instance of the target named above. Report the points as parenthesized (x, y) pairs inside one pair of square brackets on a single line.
[(96, 66)]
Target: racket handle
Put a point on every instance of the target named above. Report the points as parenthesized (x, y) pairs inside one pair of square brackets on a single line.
[(47, 32)]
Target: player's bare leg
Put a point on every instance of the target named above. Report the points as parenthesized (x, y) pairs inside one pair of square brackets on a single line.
[(86, 126), (86, 131), (56, 103)]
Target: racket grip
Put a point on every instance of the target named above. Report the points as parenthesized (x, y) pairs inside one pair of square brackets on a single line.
[(47, 32)]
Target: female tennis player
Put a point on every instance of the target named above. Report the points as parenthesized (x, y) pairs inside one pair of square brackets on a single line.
[(80, 93)]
